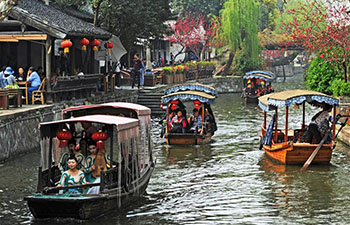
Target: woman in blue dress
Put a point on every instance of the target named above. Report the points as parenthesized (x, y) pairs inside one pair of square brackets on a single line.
[(73, 176)]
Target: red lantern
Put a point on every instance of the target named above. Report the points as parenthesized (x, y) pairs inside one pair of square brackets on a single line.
[(99, 137), (173, 107), (197, 104), (64, 136), (84, 42), (109, 45), (95, 43), (66, 44)]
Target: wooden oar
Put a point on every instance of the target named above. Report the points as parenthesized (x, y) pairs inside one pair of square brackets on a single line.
[(314, 153)]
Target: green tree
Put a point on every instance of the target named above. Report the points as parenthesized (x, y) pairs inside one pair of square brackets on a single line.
[(204, 7), (240, 22)]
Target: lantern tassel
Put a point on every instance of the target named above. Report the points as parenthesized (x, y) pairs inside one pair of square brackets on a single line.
[(63, 144), (100, 145), (66, 50)]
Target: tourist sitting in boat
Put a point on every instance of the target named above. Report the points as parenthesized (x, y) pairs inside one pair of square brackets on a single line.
[(94, 162), (72, 146), (195, 122), (319, 125), (250, 87), (178, 124), (89, 128), (209, 121), (73, 176), (63, 162)]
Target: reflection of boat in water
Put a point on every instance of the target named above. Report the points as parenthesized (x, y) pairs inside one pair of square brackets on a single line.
[(202, 96), (176, 154), (122, 181), (288, 146), (256, 84)]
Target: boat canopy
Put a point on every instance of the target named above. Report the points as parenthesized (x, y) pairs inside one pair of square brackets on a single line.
[(191, 87), (258, 76), (291, 97), (189, 95), (121, 123), (139, 109), (268, 73)]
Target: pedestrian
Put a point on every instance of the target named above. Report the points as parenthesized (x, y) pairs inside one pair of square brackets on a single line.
[(142, 73), (135, 73), (2, 79), (171, 58), (34, 78)]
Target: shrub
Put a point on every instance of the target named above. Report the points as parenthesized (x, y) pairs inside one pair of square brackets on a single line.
[(180, 69), (340, 88), (320, 76), (168, 70)]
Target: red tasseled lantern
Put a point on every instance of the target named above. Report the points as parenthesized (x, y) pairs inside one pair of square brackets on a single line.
[(174, 102), (95, 43), (66, 44), (109, 45), (173, 107), (84, 42), (64, 136), (99, 137), (197, 104)]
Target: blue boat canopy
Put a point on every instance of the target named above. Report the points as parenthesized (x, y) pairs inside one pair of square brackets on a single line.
[(268, 73), (291, 97), (191, 87), (189, 96), (258, 76)]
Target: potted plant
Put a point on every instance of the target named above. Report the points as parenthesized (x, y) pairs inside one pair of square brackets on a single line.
[(150, 79), (168, 75), (180, 73)]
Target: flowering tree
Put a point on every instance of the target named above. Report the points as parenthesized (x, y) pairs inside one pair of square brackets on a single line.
[(192, 32), (322, 27)]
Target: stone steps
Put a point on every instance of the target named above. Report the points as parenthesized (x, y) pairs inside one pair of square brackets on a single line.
[(150, 100)]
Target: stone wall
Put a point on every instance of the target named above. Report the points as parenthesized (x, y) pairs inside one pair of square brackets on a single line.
[(289, 70), (19, 131)]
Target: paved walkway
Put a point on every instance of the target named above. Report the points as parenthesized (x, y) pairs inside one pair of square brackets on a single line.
[(24, 108)]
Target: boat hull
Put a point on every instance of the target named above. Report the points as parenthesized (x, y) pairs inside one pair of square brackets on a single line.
[(298, 153), (251, 99), (187, 139), (87, 206)]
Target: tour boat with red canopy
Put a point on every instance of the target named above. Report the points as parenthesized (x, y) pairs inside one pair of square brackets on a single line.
[(123, 179), (256, 84), (202, 97), (289, 146)]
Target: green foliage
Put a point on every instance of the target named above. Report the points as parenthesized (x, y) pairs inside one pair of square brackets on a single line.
[(168, 70), (340, 88), (204, 7), (14, 86), (320, 76), (269, 12), (206, 64), (180, 69), (240, 23), (191, 65)]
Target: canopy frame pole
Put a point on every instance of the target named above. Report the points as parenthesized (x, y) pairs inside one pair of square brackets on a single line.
[(202, 117), (276, 117), (303, 124), (111, 141), (286, 126), (49, 164), (167, 118), (265, 120), (333, 124)]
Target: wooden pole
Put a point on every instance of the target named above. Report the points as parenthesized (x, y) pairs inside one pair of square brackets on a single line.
[(48, 54), (111, 149), (202, 117), (102, 177), (265, 120), (276, 122), (49, 164), (167, 118), (303, 125), (286, 126), (333, 125), (40, 180)]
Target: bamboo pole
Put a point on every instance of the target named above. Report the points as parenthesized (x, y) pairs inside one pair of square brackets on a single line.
[(276, 122), (286, 126)]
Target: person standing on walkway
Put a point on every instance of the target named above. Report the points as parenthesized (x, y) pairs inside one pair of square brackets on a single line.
[(136, 71), (35, 79)]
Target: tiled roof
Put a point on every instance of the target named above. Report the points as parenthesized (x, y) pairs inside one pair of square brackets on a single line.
[(54, 22)]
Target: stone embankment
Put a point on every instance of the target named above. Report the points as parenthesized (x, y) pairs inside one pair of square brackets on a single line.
[(19, 130)]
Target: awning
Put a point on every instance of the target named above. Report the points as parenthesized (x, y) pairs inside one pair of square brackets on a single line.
[(15, 37)]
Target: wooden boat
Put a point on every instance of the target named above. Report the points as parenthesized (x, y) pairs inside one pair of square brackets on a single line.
[(131, 110), (202, 96), (123, 181), (256, 84), (288, 146)]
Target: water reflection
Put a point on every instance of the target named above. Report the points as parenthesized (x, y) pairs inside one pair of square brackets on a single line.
[(229, 181)]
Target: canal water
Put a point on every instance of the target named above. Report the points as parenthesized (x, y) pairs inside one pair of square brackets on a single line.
[(229, 181)]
